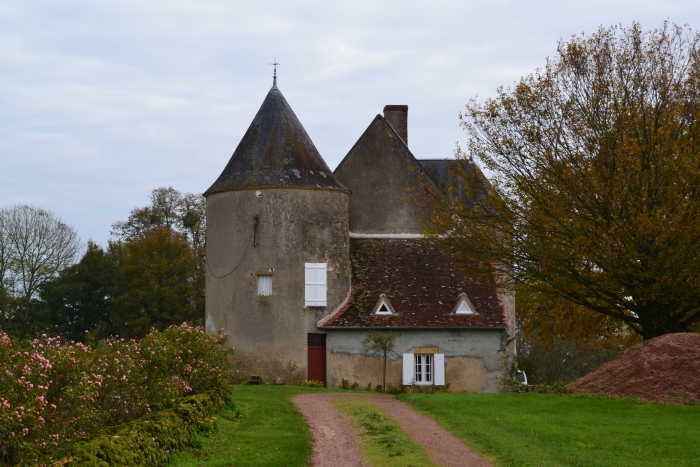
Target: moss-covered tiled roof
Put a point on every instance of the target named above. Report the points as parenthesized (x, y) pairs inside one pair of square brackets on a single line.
[(423, 284)]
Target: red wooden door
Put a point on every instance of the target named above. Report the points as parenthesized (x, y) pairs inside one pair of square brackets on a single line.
[(317, 358)]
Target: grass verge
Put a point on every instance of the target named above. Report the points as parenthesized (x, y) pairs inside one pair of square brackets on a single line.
[(262, 428), (384, 443), (576, 430)]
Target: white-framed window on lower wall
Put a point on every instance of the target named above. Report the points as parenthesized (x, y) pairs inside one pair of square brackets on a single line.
[(423, 372), (424, 369)]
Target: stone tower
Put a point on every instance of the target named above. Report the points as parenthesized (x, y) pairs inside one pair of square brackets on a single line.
[(277, 245)]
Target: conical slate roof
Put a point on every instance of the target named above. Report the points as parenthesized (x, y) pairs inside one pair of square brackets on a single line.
[(276, 151)]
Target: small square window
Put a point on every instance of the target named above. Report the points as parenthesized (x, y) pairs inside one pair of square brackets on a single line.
[(265, 285)]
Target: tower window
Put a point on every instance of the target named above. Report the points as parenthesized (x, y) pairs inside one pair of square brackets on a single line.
[(315, 284), (265, 285)]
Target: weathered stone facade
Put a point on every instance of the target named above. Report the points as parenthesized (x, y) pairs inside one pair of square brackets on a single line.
[(277, 207), (473, 357), (294, 226), (383, 176)]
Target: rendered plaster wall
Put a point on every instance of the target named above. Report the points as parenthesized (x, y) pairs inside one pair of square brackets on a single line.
[(384, 178), (295, 226), (474, 358)]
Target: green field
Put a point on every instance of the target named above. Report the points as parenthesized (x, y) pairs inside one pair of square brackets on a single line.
[(265, 429), (578, 430)]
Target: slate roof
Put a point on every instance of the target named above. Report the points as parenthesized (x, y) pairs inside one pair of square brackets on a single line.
[(276, 151), (422, 283), (445, 173)]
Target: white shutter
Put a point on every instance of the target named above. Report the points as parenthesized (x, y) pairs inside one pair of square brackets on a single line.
[(320, 284), (310, 285), (439, 368), (315, 284), (407, 369), (264, 285)]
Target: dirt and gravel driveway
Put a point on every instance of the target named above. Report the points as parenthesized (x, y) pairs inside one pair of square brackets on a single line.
[(444, 448), (335, 441), (337, 445)]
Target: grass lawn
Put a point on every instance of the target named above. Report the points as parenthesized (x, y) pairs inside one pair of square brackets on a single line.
[(384, 443), (264, 428), (577, 430)]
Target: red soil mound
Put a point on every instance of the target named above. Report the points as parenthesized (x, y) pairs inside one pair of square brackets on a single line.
[(666, 369)]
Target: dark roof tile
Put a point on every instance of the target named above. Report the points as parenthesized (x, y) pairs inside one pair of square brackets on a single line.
[(422, 283), (275, 151)]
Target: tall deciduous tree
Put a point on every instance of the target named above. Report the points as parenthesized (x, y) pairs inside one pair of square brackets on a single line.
[(156, 283), (81, 297), (35, 245), (595, 193), (182, 213)]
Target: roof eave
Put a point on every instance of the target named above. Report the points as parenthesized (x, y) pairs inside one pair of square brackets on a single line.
[(279, 187), (415, 327)]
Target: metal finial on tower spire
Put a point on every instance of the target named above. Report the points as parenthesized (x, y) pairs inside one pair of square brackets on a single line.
[(274, 77)]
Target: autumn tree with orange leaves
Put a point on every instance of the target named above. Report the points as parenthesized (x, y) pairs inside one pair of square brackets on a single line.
[(593, 194)]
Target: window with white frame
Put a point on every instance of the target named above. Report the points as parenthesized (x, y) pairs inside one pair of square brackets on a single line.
[(423, 373), (315, 284), (265, 285), (423, 369)]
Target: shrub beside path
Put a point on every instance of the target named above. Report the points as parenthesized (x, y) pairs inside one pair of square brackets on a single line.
[(337, 444)]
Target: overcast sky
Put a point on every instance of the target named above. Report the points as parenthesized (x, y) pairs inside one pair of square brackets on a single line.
[(101, 101)]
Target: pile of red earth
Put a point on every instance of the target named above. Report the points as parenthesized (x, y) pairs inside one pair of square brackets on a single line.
[(666, 369)]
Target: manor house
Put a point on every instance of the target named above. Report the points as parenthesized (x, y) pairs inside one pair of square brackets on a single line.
[(303, 263)]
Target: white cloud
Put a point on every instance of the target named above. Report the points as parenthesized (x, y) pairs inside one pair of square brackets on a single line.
[(103, 101)]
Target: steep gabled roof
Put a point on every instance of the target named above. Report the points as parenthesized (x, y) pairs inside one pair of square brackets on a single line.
[(379, 119), (384, 176), (423, 284), (275, 151)]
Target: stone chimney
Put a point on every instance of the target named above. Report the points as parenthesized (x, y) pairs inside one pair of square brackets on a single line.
[(397, 116)]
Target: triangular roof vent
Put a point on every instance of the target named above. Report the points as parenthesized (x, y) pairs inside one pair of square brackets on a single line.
[(464, 306), (383, 307)]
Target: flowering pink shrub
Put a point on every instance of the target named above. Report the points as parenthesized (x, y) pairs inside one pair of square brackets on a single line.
[(53, 393)]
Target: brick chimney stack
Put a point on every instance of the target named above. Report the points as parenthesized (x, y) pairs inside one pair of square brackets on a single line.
[(397, 116)]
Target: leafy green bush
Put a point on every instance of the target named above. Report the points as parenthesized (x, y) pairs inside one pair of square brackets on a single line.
[(54, 393)]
